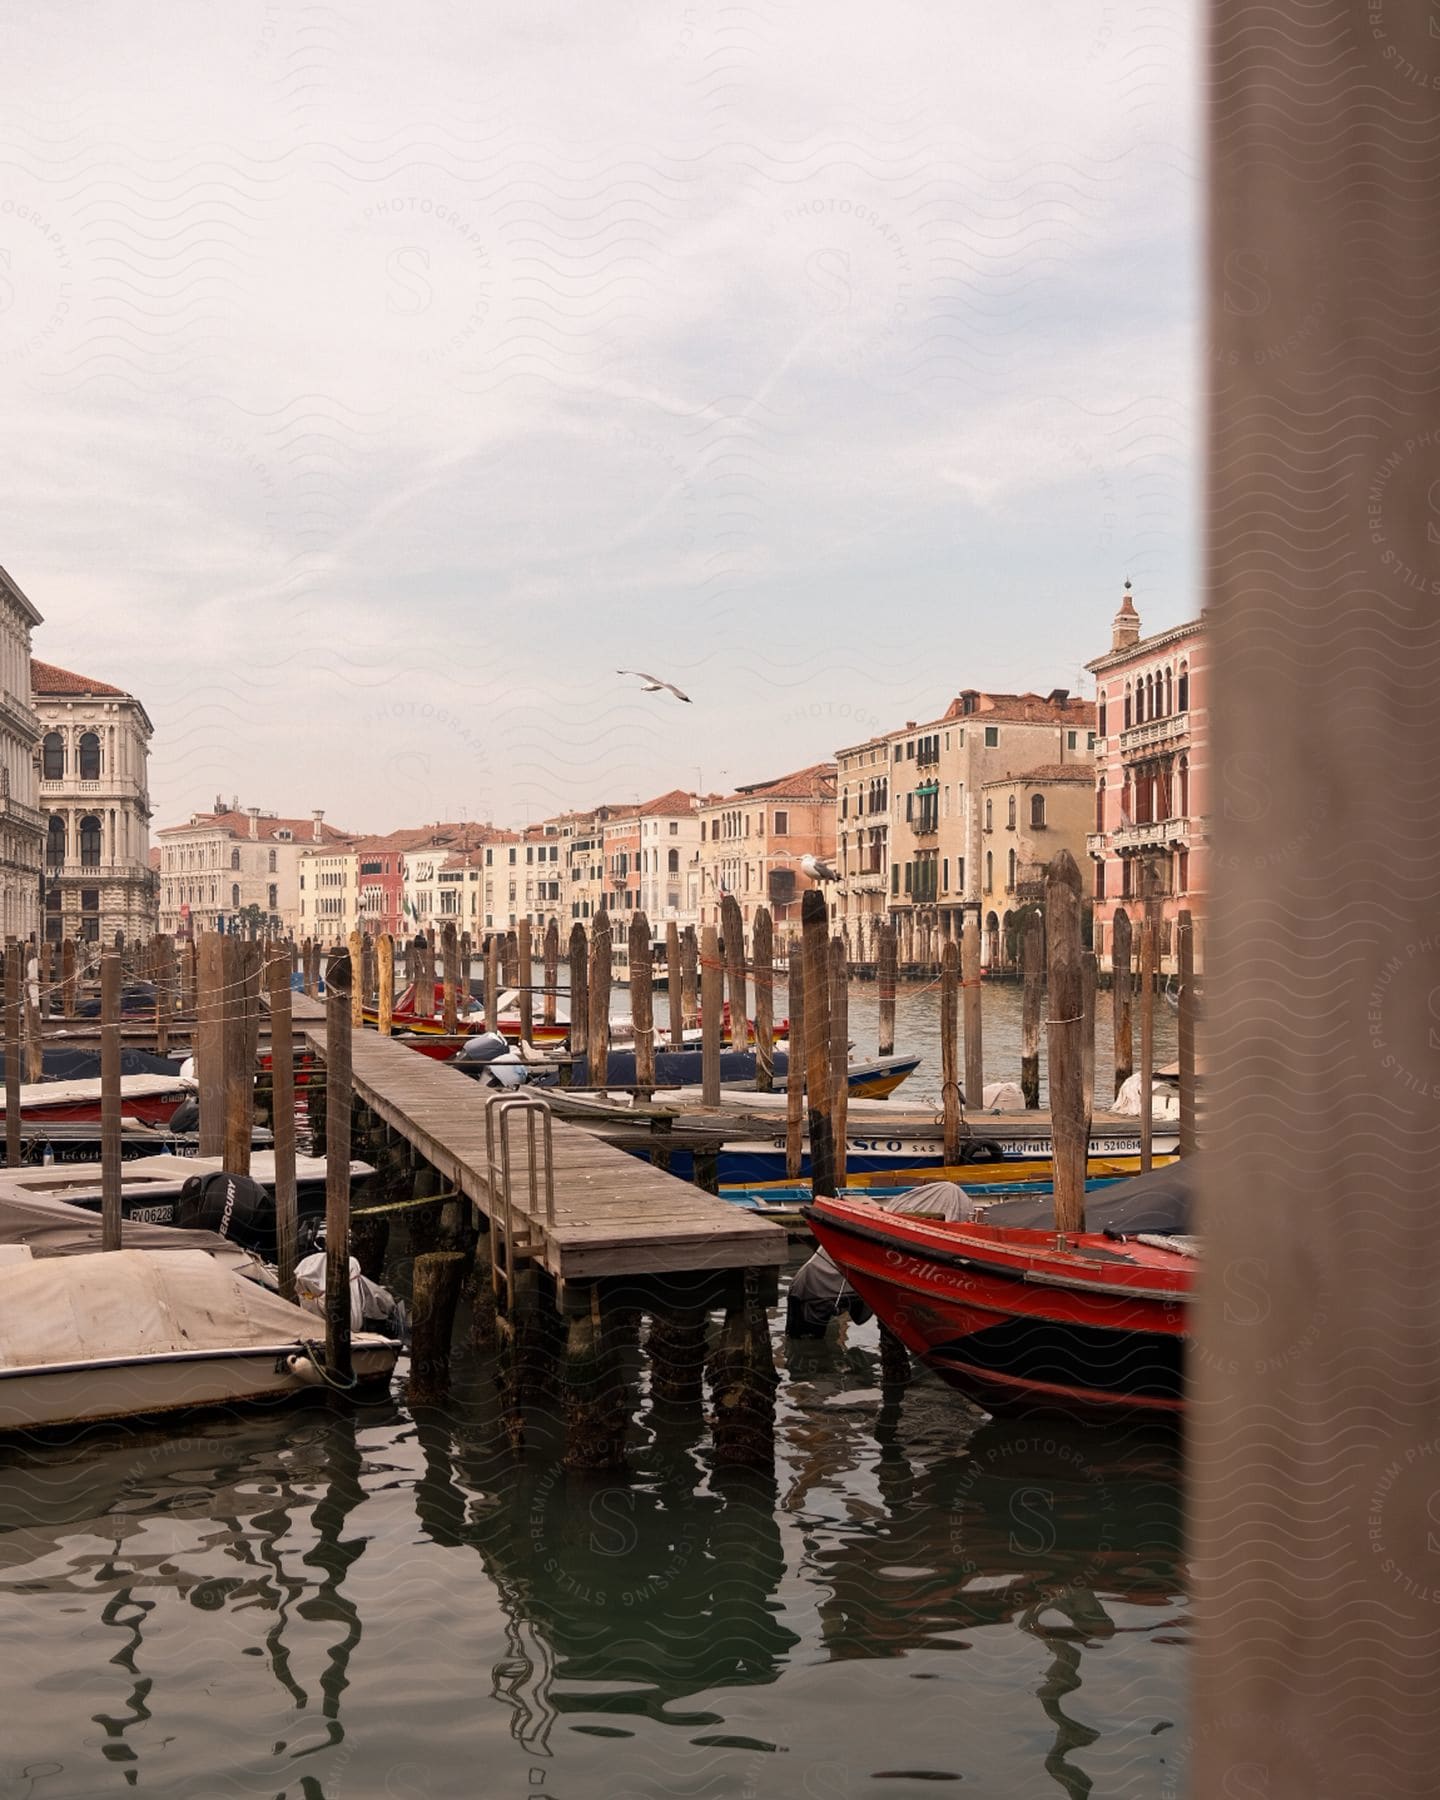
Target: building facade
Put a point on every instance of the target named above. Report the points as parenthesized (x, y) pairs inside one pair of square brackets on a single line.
[(752, 843), (239, 870), (95, 791), (22, 824), (1027, 820), (912, 822), (1150, 837)]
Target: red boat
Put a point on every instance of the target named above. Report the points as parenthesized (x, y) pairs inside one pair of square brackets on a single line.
[(151, 1098), (1020, 1319), (407, 1022)]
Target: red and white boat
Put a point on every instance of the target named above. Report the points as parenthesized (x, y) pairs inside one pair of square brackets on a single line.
[(1020, 1319), (408, 1022), (152, 1098)]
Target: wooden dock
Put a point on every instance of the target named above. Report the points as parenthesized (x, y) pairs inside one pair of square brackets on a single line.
[(614, 1215)]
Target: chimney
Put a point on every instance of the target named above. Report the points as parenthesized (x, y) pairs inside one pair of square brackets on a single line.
[(1125, 628), (1057, 696), (254, 812), (316, 832)]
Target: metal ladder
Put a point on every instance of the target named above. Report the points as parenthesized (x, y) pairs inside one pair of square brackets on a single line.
[(506, 1248)]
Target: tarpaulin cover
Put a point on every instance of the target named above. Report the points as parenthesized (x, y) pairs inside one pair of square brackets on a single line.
[(1159, 1202)]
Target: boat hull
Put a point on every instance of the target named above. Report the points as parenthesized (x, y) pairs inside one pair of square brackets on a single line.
[(1014, 1322), (748, 1163), (874, 1079), (52, 1395)]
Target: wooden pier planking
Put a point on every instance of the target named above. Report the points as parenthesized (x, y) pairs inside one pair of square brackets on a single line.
[(614, 1215)]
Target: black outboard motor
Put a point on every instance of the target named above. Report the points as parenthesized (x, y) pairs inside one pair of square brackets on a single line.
[(186, 1116), (234, 1205)]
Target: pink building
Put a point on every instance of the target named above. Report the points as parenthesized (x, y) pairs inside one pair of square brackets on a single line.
[(1152, 779)]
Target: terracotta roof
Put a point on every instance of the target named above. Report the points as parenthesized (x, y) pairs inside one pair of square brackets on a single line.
[(463, 859), (678, 800), (1077, 772), (1019, 709), (451, 834), (48, 679), (815, 782), (302, 831)]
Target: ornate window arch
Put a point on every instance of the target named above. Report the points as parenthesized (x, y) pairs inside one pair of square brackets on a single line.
[(89, 760), (90, 839), (52, 757)]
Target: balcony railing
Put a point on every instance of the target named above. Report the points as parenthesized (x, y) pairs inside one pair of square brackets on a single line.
[(1154, 832), (1156, 731)]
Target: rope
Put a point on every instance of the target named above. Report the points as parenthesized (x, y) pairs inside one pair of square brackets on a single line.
[(317, 1356)]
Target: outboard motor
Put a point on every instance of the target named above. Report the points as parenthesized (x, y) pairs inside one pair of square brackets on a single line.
[(483, 1047), (233, 1205), (186, 1116)]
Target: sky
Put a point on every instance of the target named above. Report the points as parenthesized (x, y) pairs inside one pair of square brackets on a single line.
[(380, 381)]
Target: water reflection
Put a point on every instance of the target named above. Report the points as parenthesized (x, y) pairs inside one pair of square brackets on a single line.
[(245, 1601)]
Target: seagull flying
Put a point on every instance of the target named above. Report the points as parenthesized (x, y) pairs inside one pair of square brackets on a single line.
[(817, 870), (655, 685)]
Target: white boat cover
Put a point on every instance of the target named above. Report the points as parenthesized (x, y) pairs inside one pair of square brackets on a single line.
[(132, 1303), (35, 1096), (54, 1228), (819, 1282), (1164, 1101)]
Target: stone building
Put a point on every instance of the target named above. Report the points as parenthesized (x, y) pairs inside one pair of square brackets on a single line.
[(95, 790), (22, 824), (752, 843), (1151, 829), (911, 814), (234, 869), (1027, 820)]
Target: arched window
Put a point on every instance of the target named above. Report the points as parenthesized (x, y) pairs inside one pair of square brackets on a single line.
[(1149, 705), (1011, 820), (1100, 721), (90, 842), (274, 896), (1184, 787), (273, 863), (234, 859), (1010, 882), (1100, 805), (1169, 692), (52, 757), (55, 842), (1037, 812), (989, 868), (89, 757), (1127, 723), (235, 895), (989, 815), (1182, 698), (674, 862)]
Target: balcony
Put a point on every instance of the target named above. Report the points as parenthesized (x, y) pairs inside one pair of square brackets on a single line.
[(1151, 836), (1155, 732), (26, 816)]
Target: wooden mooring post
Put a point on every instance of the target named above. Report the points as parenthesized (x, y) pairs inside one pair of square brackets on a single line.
[(597, 1056), (712, 1006), (839, 997), (1032, 960), (814, 926), (239, 1066), (732, 927), (69, 977), (110, 1126), (355, 942), (1147, 1044), (689, 985), (282, 1120), (673, 995), (795, 1055), (385, 984), (13, 1072), (1088, 979), (642, 1002), (525, 973), (450, 975), (974, 1028), (1122, 994), (579, 1034), (30, 1000), (209, 1042), (337, 1166), (1069, 1121), (1185, 1033), (886, 975), (492, 982), (763, 951), (950, 1049), (552, 971)]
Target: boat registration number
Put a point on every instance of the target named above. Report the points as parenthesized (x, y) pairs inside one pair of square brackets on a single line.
[(153, 1215)]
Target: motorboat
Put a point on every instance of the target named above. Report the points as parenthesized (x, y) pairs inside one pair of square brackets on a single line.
[(129, 1333)]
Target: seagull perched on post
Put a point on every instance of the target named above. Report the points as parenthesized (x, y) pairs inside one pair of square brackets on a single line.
[(817, 870), (655, 685)]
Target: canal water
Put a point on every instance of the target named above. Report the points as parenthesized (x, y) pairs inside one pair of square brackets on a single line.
[(386, 1603)]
